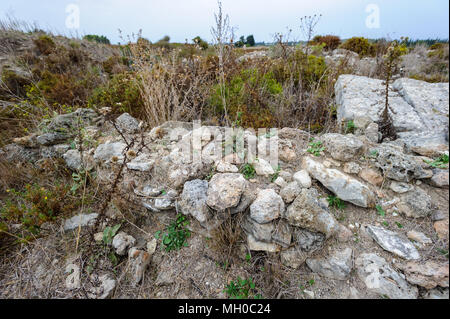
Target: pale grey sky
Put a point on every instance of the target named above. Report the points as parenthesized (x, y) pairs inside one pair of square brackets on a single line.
[(185, 19)]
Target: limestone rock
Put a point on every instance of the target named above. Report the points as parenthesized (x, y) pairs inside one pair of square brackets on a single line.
[(428, 274), (225, 191), (139, 261), (371, 176), (416, 203), (255, 245), (105, 152), (262, 167), (336, 266), (127, 124), (393, 243), (82, 219), (380, 278), (193, 200), (344, 186), (302, 178), (267, 206), (290, 192), (293, 257), (342, 147), (306, 212), (121, 242)]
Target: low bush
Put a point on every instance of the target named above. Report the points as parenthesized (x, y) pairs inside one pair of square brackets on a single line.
[(360, 45), (331, 41)]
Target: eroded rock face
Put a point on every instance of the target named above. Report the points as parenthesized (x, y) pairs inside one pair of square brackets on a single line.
[(342, 147), (267, 206), (225, 191), (380, 278), (419, 109), (393, 243), (345, 187), (399, 166), (306, 212), (336, 266)]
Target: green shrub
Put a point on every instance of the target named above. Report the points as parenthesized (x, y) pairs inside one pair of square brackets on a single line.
[(331, 41), (242, 289), (360, 45), (177, 234), (36, 205), (121, 93), (336, 202), (200, 42), (97, 38), (248, 171), (45, 44), (250, 94)]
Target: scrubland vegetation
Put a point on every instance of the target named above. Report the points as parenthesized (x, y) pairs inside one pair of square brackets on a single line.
[(227, 82)]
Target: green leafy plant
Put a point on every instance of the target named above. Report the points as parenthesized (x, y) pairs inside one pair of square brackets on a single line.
[(399, 225), (336, 202), (177, 234), (350, 128), (315, 148), (248, 171), (440, 162), (242, 289), (109, 233), (380, 210)]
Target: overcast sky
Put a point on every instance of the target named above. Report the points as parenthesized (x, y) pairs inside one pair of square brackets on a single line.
[(185, 19)]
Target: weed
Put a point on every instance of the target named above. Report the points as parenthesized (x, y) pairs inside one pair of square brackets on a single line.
[(315, 148), (177, 234), (336, 202), (440, 162), (242, 289), (399, 225), (380, 210), (350, 127), (248, 171), (109, 233)]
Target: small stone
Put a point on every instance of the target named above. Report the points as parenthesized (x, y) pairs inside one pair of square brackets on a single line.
[(139, 260), (98, 236), (344, 234), (437, 215), (127, 124), (267, 206), (429, 274), (73, 280), (262, 167), (280, 182), (121, 242), (400, 187), (255, 245), (80, 220), (418, 237), (303, 179), (293, 257), (372, 133), (336, 266), (352, 168), (441, 228), (371, 176), (151, 246), (225, 191), (342, 147), (391, 242), (290, 192), (440, 178), (416, 204), (224, 167), (193, 200), (380, 278)]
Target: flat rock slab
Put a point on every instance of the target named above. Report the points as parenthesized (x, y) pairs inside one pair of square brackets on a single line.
[(429, 274), (419, 109), (382, 279), (80, 220), (336, 266), (344, 186), (393, 243)]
